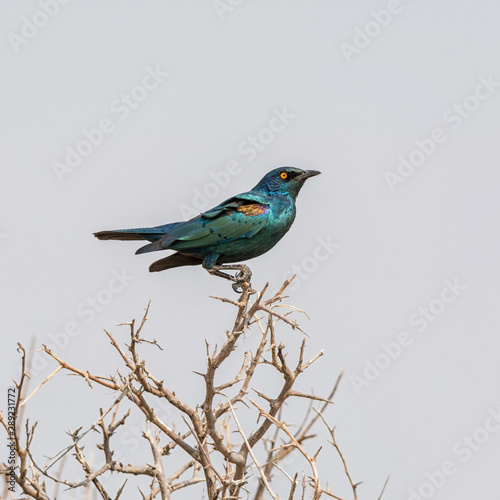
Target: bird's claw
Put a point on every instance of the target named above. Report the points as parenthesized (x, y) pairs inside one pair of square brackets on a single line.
[(244, 275), (241, 277), (238, 288)]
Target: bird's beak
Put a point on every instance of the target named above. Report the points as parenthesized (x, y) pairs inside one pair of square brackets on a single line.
[(307, 173)]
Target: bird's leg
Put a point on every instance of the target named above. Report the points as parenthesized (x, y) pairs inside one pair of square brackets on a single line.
[(216, 271), (244, 275)]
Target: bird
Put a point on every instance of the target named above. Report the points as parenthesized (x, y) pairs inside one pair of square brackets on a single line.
[(241, 228)]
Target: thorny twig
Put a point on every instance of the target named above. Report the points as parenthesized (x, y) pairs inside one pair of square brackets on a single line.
[(206, 438)]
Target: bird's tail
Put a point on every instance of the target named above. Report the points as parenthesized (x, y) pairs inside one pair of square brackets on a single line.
[(118, 235), (140, 233)]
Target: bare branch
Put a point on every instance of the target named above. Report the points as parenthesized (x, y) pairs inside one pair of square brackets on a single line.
[(335, 445), (384, 487), (254, 458), (40, 385), (311, 459), (206, 432), (165, 487)]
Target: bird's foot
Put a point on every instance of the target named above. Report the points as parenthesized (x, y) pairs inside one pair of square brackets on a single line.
[(244, 275)]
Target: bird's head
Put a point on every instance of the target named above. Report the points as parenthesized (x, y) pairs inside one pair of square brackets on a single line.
[(285, 180)]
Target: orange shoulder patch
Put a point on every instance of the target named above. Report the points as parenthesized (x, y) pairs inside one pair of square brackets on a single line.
[(253, 209)]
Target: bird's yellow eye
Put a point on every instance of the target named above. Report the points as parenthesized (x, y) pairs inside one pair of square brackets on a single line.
[(284, 175)]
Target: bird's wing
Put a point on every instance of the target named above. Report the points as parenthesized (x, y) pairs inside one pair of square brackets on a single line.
[(239, 217), (236, 202)]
